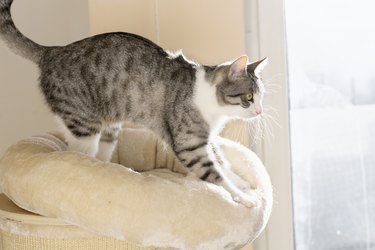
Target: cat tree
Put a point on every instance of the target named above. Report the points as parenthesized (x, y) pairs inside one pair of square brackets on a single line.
[(72, 201)]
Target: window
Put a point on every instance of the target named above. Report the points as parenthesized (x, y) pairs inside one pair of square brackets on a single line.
[(331, 50), (321, 62)]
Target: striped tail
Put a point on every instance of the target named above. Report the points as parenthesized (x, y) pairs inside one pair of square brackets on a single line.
[(15, 40)]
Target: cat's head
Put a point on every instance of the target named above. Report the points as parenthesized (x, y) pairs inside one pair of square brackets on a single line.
[(240, 87), (236, 90), (233, 90)]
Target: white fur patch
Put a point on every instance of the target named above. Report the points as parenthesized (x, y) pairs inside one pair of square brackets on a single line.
[(88, 145), (105, 151)]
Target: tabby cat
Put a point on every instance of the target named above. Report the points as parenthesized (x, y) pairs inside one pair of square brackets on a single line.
[(95, 84)]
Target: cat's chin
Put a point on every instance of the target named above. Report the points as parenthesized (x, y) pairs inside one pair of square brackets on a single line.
[(246, 116), (218, 125), (253, 117)]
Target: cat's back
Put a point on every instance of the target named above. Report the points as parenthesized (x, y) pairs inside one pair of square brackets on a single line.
[(115, 58), (105, 49), (115, 71)]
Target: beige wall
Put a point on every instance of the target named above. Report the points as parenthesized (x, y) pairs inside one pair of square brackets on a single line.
[(50, 22), (209, 31)]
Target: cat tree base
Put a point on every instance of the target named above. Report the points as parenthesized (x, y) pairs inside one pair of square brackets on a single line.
[(22, 230)]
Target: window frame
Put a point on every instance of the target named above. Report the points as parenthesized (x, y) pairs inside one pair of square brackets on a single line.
[(265, 36)]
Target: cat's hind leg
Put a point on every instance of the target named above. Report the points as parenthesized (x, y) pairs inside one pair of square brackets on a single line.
[(108, 142), (81, 138)]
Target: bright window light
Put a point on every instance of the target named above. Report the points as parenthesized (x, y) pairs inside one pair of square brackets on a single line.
[(331, 58)]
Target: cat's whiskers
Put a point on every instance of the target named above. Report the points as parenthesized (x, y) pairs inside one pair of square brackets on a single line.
[(261, 127), (270, 84), (268, 128), (270, 120), (255, 130), (272, 89), (274, 118)]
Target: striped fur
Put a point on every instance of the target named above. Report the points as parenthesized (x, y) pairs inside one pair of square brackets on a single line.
[(95, 84)]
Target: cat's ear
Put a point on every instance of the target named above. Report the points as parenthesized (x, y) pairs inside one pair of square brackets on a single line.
[(238, 68), (257, 67)]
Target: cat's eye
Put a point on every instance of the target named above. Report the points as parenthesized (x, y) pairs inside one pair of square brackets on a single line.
[(249, 97)]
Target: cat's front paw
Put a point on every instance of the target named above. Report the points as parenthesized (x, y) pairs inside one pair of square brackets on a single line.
[(245, 196), (246, 200)]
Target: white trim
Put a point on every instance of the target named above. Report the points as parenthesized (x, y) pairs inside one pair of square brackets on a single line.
[(251, 29), (268, 24)]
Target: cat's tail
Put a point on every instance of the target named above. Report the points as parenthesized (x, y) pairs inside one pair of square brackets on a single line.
[(14, 38)]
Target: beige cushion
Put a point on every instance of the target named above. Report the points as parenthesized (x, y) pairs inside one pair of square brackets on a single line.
[(154, 205)]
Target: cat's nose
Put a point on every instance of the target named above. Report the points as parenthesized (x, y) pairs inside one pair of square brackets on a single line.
[(258, 112)]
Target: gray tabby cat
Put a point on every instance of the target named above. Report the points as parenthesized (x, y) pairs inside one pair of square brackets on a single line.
[(95, 84)]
